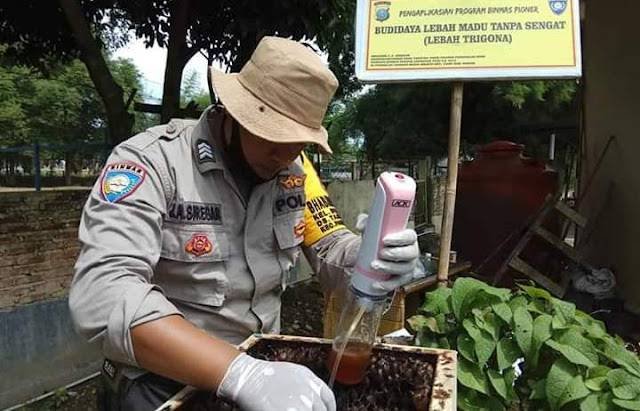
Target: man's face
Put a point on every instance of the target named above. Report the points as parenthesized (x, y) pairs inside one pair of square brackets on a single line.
[(265, 157)]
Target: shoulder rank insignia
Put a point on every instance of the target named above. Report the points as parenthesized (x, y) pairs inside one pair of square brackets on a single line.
[(120, 180), (205, 151)]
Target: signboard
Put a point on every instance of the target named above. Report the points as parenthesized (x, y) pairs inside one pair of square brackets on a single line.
[(413, 40)]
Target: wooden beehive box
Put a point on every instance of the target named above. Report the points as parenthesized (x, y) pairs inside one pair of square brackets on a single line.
[(399, 378)]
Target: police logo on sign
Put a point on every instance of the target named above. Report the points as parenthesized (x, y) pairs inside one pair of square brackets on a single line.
[(382, 10), (558, 6)]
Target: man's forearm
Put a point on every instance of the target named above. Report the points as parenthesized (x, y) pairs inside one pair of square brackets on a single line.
[(176, 349)]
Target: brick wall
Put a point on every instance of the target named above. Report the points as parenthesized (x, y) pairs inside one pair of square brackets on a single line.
[(38, 244)]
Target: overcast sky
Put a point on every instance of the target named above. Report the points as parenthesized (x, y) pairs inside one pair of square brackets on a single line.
[(151, 63)]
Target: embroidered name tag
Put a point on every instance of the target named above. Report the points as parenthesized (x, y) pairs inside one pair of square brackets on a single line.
[(120, 180), (194, 213)]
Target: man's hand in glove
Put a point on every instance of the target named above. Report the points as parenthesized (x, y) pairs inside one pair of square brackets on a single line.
[(257, 385), (398, 257)]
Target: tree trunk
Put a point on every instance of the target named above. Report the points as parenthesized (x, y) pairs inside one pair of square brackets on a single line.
[(178, 55), (212, 95), (119, 120)]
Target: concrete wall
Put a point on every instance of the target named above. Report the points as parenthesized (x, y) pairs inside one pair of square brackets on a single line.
[(39, 350), (612, 95), (351, 198)]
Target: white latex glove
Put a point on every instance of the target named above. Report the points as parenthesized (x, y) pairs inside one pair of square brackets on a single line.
[(257, 385), (398, 257)]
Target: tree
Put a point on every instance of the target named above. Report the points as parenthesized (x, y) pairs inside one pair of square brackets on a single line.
[(43, 33), (411, 120), (226, 31), (62, 109)]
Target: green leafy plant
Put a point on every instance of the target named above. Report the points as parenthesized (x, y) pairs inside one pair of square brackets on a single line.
[(565, 358)]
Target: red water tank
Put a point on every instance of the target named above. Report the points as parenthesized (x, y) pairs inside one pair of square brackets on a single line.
[(497, 192)]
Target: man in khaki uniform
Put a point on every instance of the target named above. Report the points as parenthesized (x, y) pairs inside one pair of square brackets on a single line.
[(191, 231)]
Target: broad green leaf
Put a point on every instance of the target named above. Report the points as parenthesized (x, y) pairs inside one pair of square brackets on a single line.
[(418, 323), (466, 347), (507, 352), (538, 391), (590, 403), (485, 345), (575, 390), (464, 288), (489, 322), (535, 292), (485, 298), (503, 311), (470, 375), (560, 376), (594, 328), (541, 333), (443, 342), (626, 404), (444, 325), (597, 377), (469, 293), (574, 338), (621, 356), (537, 307), (437, 301), (570, 353), (523, 327), (564, 313), (605, 402), (499, 384), (469, 400), (623, 384), (518, 301), (510, 378)]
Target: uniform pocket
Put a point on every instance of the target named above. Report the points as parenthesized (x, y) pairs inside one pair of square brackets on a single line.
[(193, 264), (289, 232), (289, 229)]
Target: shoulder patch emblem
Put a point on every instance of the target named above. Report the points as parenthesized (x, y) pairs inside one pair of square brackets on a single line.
[(119, 180), (205, 152), (199, 245), (292, 181)]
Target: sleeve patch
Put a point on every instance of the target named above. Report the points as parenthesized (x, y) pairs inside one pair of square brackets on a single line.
[(119, 180)]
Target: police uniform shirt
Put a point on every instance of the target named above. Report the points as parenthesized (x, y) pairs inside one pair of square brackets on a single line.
[(166, 231)]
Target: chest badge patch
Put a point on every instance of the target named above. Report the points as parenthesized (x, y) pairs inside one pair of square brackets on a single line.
[(292, 181), (198, 245), (120, 180)]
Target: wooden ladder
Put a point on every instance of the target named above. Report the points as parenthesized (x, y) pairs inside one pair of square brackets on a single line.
[(535, 228)]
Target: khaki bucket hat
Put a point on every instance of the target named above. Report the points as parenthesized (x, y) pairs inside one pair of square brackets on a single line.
[(281, 94)]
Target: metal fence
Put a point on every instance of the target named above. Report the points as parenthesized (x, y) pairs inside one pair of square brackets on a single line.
[(43, 164)]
